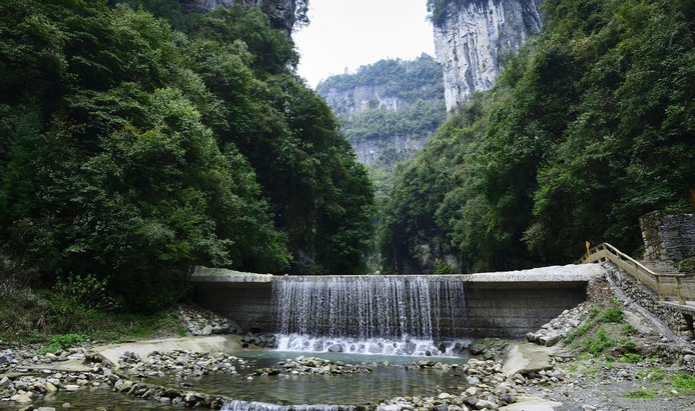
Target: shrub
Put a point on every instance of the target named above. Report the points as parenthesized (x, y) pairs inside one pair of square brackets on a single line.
[(76, 301), (612, 314), (631, 358), (61, 342), (629, 329), (599, 343)]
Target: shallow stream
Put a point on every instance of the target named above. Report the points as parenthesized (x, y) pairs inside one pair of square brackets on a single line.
[(392, 376)]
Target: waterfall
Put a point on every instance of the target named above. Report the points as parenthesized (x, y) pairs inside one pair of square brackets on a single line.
[(401, 315)]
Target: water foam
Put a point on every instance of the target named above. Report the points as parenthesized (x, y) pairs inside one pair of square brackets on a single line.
[(404, 346), (387, 315)]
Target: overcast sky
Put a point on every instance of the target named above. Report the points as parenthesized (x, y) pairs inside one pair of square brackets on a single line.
[(352, 33)]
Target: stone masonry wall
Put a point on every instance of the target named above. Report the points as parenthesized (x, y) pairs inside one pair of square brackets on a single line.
[(668, 235), (248, 304), (675, 318)]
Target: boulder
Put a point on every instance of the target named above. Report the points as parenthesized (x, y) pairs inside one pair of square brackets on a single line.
[(335, 348)]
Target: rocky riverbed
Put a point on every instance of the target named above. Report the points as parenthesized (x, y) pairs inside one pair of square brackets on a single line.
[(586, 382), (657, 375)]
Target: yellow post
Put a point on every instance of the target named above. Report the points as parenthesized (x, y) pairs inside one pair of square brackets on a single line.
[(588, 251)]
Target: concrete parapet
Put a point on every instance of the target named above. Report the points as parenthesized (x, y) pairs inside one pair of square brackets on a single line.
[(222, 275)]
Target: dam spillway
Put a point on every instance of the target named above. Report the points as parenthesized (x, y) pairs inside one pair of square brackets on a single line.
[(506, 305), (370, 306)]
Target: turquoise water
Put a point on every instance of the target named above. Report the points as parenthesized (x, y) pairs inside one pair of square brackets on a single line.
[(398, 378)]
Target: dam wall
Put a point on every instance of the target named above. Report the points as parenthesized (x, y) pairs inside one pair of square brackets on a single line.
[(505, 305)]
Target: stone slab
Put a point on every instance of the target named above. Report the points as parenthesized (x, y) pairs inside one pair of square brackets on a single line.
[(63, 366), (531, 404), (527, 357)]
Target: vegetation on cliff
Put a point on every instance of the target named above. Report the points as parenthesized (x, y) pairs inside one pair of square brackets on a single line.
[(591, 126), (130, 152), (417, 89)]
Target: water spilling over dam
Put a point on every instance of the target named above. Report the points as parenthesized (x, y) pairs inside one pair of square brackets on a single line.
[(397, 315), (370, 306)]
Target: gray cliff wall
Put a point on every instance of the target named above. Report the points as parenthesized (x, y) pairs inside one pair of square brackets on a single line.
[(360, 99), (475, 35), (347, 103), (405, 147), (281, 12)]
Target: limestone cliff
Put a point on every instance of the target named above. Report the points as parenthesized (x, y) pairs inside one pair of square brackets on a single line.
[(471, 37), (283, 13), (348, 102), (388, 109)]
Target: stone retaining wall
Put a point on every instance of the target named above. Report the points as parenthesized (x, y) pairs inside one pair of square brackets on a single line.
[(678, 318), (248, 304), (668, 235), (511, 310)]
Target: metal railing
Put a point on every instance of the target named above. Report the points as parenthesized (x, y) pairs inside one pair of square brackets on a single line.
[(664, 284)]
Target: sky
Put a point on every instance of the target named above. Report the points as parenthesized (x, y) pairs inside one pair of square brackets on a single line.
[(352, 33)]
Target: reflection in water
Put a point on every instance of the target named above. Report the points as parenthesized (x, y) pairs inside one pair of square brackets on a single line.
[(383, 383)]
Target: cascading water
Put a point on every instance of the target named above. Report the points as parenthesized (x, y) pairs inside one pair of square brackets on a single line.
[(393, 315)]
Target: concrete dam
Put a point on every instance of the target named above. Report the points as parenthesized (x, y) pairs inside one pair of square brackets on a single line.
[(370, 308)]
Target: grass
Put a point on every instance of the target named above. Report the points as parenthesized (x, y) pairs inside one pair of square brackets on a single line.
[(642, 394), (61, 342), (684, 382), (631, 358), (610, 314), (629, 330), (652, 374)]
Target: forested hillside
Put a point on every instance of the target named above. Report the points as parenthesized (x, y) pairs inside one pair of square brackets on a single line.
[(591, 126), (387, 110), (131, 151)]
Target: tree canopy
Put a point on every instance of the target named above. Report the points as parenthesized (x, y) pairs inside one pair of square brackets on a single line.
[(133, 151), (591, 126)]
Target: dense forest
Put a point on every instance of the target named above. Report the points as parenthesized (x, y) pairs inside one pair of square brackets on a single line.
[(591, 126), (405, 103), (135, 146)]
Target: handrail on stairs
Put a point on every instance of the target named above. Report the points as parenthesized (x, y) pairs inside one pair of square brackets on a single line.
[(643, 275)]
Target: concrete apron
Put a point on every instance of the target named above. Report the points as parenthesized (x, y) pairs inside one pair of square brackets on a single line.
[(215, 343), (526, 357)]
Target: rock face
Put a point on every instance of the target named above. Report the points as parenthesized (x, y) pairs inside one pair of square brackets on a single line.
[(360, 99), (376, 102), (475, 35), (281, 12), (348, 103)]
